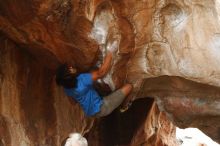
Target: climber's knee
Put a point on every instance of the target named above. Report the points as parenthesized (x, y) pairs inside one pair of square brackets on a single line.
[(111, 102), (126, 89)]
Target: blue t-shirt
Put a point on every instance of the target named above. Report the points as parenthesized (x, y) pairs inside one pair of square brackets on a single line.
[(85, 94)]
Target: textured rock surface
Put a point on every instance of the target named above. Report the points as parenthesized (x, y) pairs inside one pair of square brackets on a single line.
[(155, 130), (186, 103), (32, 110), (155, 38)]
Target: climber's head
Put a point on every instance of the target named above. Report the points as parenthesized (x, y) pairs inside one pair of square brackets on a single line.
[(66, 76)]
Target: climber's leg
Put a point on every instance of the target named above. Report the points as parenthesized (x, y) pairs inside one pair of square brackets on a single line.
[(113, 100), (131, 97), (126, 89)]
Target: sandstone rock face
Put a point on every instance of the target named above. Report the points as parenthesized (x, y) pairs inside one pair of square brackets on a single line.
[(33, 111), (171, 45), (186, 103), (156, 130)]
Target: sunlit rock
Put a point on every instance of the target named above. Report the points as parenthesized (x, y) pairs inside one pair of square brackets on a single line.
[(172, 46)]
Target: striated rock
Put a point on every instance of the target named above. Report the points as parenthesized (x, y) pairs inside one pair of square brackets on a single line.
[(186, 103), (32, 110), (156, 130), (171, 45), (47, 31)]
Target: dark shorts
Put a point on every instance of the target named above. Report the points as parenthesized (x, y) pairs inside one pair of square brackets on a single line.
[(110, 103)]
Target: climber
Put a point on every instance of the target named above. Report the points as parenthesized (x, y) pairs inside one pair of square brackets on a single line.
[(80, 87)]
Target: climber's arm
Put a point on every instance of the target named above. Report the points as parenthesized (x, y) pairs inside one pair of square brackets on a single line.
[(102, 71)]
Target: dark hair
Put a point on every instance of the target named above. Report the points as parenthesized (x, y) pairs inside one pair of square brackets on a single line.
[(65, 78)]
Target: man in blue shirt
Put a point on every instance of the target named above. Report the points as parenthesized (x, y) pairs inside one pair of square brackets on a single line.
[(80, 87)]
